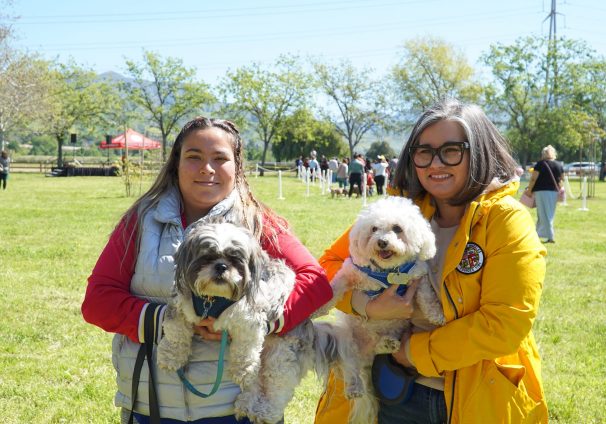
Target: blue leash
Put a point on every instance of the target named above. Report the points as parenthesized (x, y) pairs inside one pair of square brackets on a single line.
[(191, 388)]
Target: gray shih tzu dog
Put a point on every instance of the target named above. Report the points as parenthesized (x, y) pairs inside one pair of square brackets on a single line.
[(222, 260), (389, 243)]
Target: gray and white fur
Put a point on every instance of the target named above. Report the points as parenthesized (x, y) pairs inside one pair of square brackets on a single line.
[(222, 259)]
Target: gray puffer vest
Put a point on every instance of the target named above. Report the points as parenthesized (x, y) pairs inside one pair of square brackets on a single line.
[(153, 280)]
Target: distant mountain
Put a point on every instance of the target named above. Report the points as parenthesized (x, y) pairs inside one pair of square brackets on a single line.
[(115, 77)]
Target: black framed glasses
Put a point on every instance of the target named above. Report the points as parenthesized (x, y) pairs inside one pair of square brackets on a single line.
[(450, 153)]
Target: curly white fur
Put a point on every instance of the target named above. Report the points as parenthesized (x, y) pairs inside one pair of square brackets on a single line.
[(224, 260), (386, 234)]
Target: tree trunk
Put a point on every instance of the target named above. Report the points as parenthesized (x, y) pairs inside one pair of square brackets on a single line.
[(163, 148), (59, 151), (603, 161), (265, 147)]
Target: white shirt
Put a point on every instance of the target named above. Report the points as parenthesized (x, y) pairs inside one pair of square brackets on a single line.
[(379, 168)]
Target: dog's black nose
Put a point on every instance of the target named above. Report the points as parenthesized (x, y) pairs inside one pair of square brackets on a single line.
[(382, 244), (220, 268)]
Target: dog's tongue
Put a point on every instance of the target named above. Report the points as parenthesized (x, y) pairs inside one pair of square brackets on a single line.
[(385, 254)]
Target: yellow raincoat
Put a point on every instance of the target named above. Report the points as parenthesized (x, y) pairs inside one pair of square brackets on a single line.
[(492, 281)]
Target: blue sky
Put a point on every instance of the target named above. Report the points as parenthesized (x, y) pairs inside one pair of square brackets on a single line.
[(216, 36)]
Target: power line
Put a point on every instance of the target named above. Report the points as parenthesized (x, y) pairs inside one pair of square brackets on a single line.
[(309, 33), (585, 7), (212, 14)]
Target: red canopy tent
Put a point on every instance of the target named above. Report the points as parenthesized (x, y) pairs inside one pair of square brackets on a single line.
[(133, 139)]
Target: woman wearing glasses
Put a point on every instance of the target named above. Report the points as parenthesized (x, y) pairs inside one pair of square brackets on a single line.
[(482, 366)]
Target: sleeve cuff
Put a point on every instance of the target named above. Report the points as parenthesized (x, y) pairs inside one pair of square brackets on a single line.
[(275, 326), (419, 355), (407, 352), (159, 310)]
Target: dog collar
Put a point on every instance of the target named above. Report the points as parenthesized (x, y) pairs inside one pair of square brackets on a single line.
[(210, 306), (387, 278)]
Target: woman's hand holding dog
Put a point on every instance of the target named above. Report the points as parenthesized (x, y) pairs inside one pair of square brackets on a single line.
[(205, 329), (390, 305)]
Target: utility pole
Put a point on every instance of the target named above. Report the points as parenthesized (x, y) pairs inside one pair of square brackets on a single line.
[(552, 60)]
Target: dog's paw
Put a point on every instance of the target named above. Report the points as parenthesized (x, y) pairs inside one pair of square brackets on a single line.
[(244, 375), (257, 408), (243, 406), (171, 358), (354, 392), (437, 318), (355, 387), (387, 345), (419, 270)]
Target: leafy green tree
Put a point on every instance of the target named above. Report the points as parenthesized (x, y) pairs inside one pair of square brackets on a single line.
[(23, 87), (380, 148), (430, 69), (6, 31), (167, 91), (356, 101), (301, 133), (43, 145), (22, 82), (519, 92), (590, 77), (571, 129), (522, 92), (253, 151), (264, 96), (77, 99)]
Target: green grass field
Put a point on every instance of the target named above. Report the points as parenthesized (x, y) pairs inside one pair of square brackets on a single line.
[(57, 369)]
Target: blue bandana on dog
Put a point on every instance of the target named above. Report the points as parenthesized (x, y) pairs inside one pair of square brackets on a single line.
[(210, 306), (388, 278)]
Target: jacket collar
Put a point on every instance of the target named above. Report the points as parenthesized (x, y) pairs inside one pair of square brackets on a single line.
[(219, 210), (476, 209), (168, 209)]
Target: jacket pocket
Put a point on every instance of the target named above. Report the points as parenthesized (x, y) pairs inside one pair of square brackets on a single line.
[(501, 397)]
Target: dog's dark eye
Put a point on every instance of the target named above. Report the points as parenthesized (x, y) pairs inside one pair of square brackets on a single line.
[(397, 229), (374, 229)]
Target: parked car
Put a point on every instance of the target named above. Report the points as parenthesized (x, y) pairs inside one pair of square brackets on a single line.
[(581, 168)]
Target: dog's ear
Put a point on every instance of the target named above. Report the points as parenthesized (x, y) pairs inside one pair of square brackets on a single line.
[(428, 246), (182, 258), (357, 241), (256, 262)]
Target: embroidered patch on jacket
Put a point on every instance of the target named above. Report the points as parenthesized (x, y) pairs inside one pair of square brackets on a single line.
[(473, 259)]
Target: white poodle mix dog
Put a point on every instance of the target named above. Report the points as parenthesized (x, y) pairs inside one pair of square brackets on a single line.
[(222, 260), (388, 244)]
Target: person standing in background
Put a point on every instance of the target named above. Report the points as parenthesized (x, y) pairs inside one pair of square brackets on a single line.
[(380, 171), (544, 184), (333, 165), (342, 173), (5, 164), (356, 169), (314, 167)]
